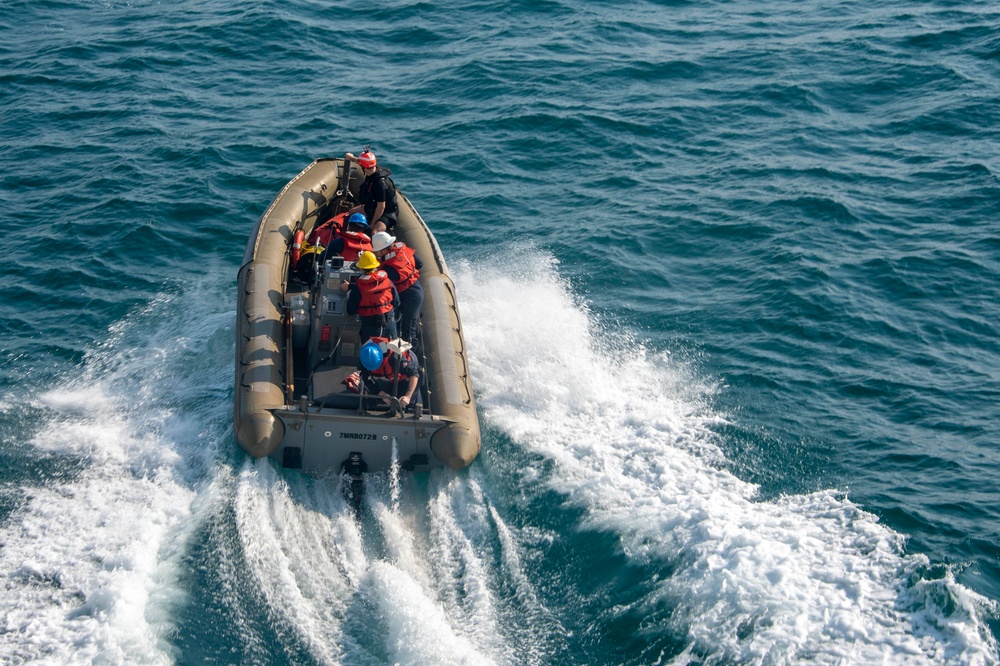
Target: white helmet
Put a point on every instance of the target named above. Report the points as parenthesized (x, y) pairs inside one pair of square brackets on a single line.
[(382, 240)]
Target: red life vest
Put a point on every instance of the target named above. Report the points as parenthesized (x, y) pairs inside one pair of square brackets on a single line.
[(401, 259), (355, 243), (381, 342), (376, 294), (324, 233), (321, 236), (338, 222), (388, 367)]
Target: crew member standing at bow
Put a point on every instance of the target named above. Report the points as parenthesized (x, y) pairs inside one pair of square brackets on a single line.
[(403, 267), (373, 298), (378, 193)]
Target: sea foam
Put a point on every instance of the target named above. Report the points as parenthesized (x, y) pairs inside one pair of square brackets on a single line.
[(802, 578), (90, 558)]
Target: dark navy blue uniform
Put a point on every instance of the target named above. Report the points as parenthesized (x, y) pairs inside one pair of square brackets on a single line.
[(374, 191)]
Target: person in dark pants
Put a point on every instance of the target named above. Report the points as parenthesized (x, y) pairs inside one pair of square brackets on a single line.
[(373, 298), (402, 265), (378, 193)]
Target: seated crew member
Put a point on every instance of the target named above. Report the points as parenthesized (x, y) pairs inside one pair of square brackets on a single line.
[(352, 241), (402, 266), (373, 298), (378, 193), (324, 232), (380, 380)]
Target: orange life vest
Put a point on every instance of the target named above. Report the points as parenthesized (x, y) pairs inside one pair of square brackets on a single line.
[(327, 231), (355, 243), (388, 367), (376, 294), (321, 236), (401, 259)]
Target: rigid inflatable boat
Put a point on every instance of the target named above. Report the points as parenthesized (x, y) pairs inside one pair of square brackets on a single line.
[(296, 346)]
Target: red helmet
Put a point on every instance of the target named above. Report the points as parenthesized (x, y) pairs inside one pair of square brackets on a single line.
[(367, 160)]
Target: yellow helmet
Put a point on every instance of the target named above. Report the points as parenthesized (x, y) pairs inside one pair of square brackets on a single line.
[(367, 261)]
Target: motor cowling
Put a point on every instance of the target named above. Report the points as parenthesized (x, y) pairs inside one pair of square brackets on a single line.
[(354, 467)]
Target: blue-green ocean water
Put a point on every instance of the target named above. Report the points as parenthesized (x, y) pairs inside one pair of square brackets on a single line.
[(729, 272)]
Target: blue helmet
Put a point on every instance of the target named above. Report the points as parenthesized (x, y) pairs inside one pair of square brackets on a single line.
[(371, 356), (359, 219)]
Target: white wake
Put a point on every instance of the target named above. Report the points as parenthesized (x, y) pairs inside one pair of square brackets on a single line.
[(803, 578)]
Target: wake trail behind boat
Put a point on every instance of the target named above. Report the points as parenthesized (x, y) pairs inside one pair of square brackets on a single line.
[(91, 558), (104, 561), (801, 578), (414, 585), (158, 521)]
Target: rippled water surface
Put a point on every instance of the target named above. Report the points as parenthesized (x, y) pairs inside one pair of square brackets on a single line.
[(729, 273)]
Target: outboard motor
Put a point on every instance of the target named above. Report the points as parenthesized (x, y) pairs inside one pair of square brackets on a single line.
[(355, 468)]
